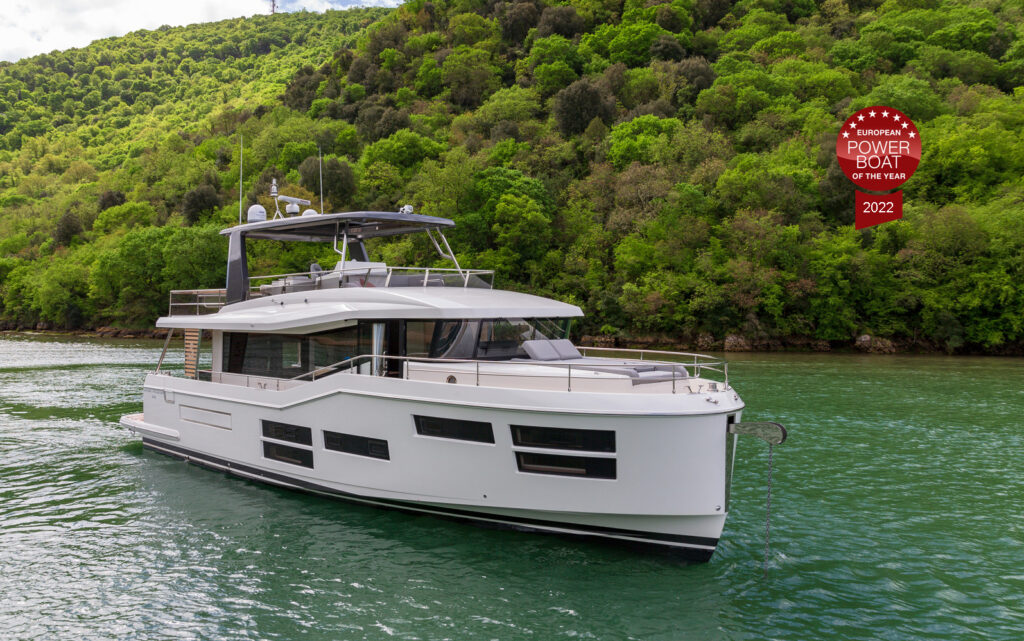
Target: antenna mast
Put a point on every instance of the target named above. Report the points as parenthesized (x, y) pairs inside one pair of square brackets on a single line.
[(320, 153), (241, 150)]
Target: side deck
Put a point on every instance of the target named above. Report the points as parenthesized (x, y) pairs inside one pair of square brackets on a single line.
[(629, 372)]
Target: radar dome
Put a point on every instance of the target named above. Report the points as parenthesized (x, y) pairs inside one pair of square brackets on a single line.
[(256, 214), (310, 212)]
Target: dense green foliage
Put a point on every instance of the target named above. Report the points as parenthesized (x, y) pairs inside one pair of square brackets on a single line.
[(668, 166)]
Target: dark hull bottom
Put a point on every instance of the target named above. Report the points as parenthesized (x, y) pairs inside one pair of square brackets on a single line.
[(688, 548)]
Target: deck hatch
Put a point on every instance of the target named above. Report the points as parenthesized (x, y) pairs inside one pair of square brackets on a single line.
[(288, 454), (354, 444), (287, 432), (561, 438), (560, 465), (454, 428)]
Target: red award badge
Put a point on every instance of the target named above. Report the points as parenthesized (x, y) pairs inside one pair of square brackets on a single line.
[(879, 148)]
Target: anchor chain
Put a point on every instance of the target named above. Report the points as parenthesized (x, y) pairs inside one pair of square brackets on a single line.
[(768, 511)]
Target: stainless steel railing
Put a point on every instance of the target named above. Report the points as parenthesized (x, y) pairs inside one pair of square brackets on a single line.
[(195, 302), (700, 363)]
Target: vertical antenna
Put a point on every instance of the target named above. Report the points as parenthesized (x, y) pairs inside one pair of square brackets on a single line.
[(320, 154), (241, 150)]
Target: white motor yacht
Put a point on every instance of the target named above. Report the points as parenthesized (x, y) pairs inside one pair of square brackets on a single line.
[(428, 390)]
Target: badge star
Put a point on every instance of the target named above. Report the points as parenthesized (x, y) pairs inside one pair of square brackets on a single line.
[(860, 117), (853, 125), (911, 134), (896, 118), (885, 114), (905, 125), (846, 134), (871, 113)]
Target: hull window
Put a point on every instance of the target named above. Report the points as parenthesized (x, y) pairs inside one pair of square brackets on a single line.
[(582, 466), (288, 454), (454, 428), (557, 438), (361, 445), (286, 432)]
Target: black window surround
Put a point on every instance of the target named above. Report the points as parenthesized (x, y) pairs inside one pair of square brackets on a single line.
[(359, 445), (454, 428), (563, 438), (287, 432), (561, 465), (288, 454)]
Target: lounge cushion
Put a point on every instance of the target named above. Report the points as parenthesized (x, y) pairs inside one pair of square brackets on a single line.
[(540, 350), (565, 349)]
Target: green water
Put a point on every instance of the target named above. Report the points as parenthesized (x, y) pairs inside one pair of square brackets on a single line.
[(897, 513)]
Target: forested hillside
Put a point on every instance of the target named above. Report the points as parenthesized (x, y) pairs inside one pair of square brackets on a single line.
[(668, 166)]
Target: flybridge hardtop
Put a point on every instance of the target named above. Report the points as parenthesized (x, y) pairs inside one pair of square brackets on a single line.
[(313, 227), (349, 230)]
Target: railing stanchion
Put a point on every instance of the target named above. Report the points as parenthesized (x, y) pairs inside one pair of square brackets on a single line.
[(570, 377), (478, 373), (673, 379)]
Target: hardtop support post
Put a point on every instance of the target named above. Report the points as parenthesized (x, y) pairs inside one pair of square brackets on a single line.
[(238, 269)]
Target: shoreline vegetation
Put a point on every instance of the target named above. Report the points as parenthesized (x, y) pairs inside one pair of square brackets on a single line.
[(667, 165)]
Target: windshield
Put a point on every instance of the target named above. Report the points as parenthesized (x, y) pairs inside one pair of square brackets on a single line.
[(499, 338)]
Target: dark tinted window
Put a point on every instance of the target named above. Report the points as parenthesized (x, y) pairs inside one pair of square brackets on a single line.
[(286, 432), (597, 468), (287, 356), (352, 444), (288, 454), (454, 428), (558, 438)]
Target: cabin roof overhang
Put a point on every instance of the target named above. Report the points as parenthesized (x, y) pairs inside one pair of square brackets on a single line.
[(309, 312), (326, 228)]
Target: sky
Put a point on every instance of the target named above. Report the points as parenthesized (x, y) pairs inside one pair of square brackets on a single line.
[(32, 27)]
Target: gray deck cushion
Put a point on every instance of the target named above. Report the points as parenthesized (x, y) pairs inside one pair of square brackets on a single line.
[(565, 349), (540, 350)]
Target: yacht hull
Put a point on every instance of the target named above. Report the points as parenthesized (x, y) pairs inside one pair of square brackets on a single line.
[(668, 489)]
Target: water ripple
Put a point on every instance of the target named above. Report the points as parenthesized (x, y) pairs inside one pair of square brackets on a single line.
[(895, 515)]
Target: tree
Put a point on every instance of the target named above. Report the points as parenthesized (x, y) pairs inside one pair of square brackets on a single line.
[(339, 181), (203, 199), (561, 20), (578, 104), (469, 75), (67, 228)]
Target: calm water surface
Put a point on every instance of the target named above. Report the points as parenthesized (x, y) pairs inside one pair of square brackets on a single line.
[(897, 513)]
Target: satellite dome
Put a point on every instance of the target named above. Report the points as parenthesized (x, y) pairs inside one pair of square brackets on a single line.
[(256, 214), (310, 212)]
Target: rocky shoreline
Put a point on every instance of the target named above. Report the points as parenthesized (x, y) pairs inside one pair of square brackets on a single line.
[(865, 343)]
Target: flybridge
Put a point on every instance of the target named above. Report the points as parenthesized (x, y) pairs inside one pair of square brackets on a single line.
[(347, 232)]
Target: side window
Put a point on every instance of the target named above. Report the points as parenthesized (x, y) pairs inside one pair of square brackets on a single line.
[(454, 428)]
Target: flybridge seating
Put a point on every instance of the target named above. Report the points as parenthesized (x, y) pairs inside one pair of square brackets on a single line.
[(363, 274)]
